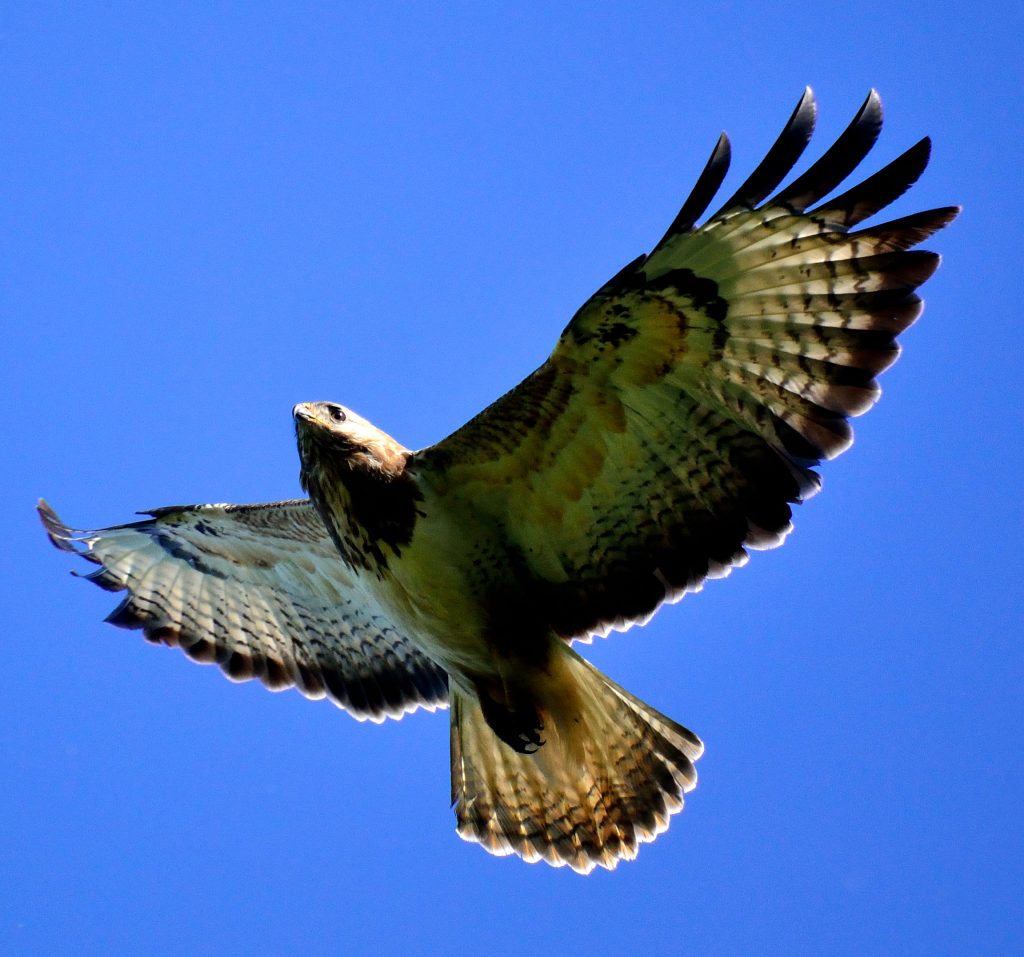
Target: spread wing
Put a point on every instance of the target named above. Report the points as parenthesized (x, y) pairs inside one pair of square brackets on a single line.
[(261, 591), (679, 415)]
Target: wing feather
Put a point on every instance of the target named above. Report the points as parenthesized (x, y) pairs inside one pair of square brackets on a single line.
[(679, 417), (838, 161), (703, 191), (780, 159), (880, 189), (260, 591)]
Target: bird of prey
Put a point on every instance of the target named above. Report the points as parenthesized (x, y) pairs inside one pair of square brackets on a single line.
[(672, 429)]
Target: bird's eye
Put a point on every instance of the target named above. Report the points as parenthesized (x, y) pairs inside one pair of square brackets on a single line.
[(337, 413)]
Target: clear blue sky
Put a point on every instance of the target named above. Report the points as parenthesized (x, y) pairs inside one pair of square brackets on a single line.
[(215, 212)]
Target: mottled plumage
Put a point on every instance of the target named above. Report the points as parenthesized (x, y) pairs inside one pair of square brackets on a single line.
[(672, 429), (259, 590)]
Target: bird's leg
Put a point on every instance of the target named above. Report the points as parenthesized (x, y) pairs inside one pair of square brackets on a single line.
[(514, 718)]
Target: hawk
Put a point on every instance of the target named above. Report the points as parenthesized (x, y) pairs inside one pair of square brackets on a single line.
[(672, 429)]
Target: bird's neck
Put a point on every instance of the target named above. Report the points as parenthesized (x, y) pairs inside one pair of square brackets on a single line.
[(369, 508)]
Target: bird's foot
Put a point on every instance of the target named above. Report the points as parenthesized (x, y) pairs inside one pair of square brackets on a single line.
[(519, 728)]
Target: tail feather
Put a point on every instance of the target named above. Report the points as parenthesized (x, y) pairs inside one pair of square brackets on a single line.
[(608, 778)]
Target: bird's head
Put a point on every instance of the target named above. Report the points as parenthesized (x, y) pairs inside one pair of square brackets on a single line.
[(333, 438)]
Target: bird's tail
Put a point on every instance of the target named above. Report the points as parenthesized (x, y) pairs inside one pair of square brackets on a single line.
[(610, 774)]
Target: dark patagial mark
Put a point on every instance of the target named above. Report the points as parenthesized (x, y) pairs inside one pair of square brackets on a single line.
[(700, 290), (177, 549)]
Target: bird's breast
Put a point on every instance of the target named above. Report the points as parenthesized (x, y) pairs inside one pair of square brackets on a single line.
[(440, 586)]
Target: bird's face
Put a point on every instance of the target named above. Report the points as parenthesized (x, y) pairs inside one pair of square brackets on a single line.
[(327, 431), (330, 417)]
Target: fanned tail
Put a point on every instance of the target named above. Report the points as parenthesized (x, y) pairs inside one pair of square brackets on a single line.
[(609, 777)]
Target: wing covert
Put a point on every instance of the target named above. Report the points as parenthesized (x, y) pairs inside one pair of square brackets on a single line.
[(260, 591)]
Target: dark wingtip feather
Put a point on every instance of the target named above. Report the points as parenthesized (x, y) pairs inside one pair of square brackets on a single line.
[(839, 160), (896, 318), (880, 189), (202, 650), (58, 533), (780, 159), (104, 578), (237, 665), (127, 615), (703, 191), (626, 276), (908, 231), (916, 267)]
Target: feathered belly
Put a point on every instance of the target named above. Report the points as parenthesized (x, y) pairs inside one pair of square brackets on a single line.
[(438, 594)]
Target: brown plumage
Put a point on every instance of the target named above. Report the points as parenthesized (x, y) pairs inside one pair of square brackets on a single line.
[(672, 429)]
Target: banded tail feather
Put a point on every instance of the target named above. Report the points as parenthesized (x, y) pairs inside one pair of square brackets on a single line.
[(609, 776)]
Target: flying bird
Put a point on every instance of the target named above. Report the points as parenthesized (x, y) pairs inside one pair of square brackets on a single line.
[(672, 429)]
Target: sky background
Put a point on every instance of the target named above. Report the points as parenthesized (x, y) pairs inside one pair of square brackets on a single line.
[(213, 211)]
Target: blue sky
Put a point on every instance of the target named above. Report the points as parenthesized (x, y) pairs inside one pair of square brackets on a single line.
[(215, 211)]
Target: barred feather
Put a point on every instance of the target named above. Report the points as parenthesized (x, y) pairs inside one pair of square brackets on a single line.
[(261, 592), (839, 160), (584, 803), (779, 160)]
